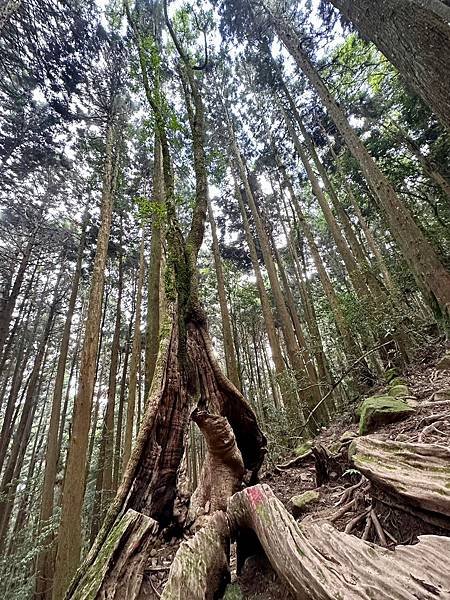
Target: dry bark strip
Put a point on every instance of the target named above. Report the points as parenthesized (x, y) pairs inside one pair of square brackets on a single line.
[(316, 561), (417, 473)]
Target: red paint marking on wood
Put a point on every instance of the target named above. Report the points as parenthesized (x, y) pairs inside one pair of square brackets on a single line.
[(255, 495)]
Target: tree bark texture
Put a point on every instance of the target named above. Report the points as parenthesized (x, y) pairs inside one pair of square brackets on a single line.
[(415, 36)]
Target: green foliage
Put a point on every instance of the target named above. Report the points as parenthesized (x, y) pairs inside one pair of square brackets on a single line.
[(150, 210)]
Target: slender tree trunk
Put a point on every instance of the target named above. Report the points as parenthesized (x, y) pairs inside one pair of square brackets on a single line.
[(29, 406), (154, 272), (287, 393), (432, 277), (26, 304), (349, 343), (23, 355), (8, 304), (134, 363), (62, 420), (308, 305), (44, 566), (415, 36), (355, 246), (370, 239), (123, 386), (310, 395), (107, 487), (69, 535), (355, 271), (230, 356)]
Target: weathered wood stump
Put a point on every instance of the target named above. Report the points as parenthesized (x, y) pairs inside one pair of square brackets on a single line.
[(316, 561), (118, 570), (418, 474)]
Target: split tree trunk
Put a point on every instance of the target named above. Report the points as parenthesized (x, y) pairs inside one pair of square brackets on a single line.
[(150, 479)]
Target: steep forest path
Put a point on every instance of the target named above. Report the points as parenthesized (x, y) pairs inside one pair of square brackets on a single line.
[(353, 503)]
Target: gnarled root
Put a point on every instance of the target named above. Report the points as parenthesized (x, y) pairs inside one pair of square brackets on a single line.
[(200, 568), (316, 561), (222, 471)]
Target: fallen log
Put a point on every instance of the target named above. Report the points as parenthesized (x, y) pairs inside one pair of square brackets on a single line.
[(417, 473), (316, 561)]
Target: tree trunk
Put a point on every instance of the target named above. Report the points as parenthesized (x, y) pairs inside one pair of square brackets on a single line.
[(415, 36), (287, 393), (309, 312), (44, 566), (349, 260), (107, 489), (149, 482), (431, 276), (342, 325), (29, 406), (310, 395), (135, 359), (228, 344), (154, 273), (8, 304), (123, 385), (69, 535)]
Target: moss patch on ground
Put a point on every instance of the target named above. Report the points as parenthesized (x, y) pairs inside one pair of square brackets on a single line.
[(381, 410)]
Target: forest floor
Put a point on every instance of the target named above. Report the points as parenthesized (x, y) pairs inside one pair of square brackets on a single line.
[(258, 581)]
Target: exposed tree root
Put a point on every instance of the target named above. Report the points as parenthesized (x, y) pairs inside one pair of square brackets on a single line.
[(378, 528), (343, 510), (200, 568), (418, 474), (294, 462), (316, 561), (348, 492)]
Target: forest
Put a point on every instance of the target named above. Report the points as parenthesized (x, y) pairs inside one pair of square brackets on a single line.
[(224, 299)]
